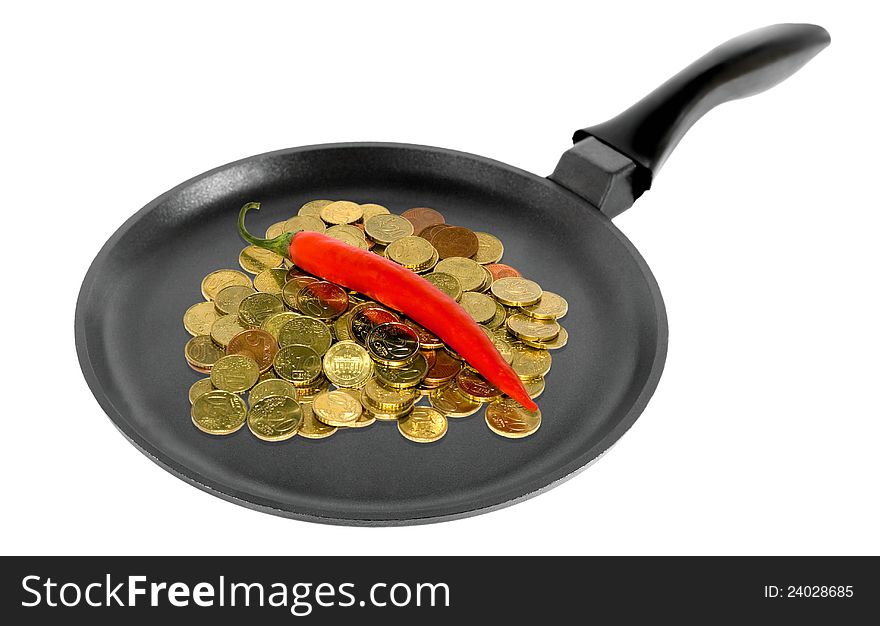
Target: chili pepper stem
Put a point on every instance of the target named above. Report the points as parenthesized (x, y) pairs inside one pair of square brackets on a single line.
[(278, 245)]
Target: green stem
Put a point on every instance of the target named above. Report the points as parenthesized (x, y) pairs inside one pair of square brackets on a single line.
[(278, 245)]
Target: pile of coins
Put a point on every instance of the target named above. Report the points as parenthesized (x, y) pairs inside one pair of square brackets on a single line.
[(284, 337)]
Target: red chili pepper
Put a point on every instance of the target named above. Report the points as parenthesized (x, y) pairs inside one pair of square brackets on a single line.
[(400, 289)]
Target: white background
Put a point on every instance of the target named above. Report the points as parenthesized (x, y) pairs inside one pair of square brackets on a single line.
[(762, 231)]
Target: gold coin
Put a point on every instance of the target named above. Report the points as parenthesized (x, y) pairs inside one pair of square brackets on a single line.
[(219, 412), (269, 374), (217, 280), (385, 229), (411, 252), (366, 418), (271, 387), (506, 417), (468, 272), (311, 428), (235, 372), (347, 364), (336, 408), (274, 230), (479, 306), (488, 279), (499, 318), (551, 306), (225, 328), (275, 418), (452, 403), (271, 280), (340, 327), (525, 327), (346, 228), (381, 399), (490, 248), (514, 291), (229, 298), (199, 317), (299, 223), (274, 323), (529, 363), (308, 394), (254, 259), (298, 364), (372, 210), (199, 388), (405, 377), (306, 331), (534, 387), (322, 299), (423, 425), (554, 344), (345, 236), (313, 207), (258, 307), (447, 283), (499, 340), (385, 416), (342, 212), (201, 353)]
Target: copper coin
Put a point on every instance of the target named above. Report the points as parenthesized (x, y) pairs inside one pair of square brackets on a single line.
[(365, 317), (430, 231), (445, 368), (475, 387), (322, 300), (427, 339), (422, 217), (430, 357), (256, 344), (456, 241), (500, 270), (293, 286), (393, 344)]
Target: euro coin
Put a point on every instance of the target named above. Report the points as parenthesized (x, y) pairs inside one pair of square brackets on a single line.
[(447, 283), (502, 270), (422, 217), (298, 364), (551, 306), (254, 259), (198, 388), (274, 323), (275, 418), (342, 212), (445, 369), (274, 230), (371, 210), (308, 394), (455, 241), (404, 377), (489, 249), (516, 291), (386, 416), (256, 344), (423, 425), (479, 306), (306, 331), (535, 387), (452, 403), (427, 339), (218, 279), (525, 327), (271, 280), (393, 344), (506, 417), (411, 252), (322, 300), (363, 318), (299, 223), (428, 232), (313, 207), (258, 307), (229, 298), (529, 363), (336, 408), (381, 399), (311, 428), (351, 229), (385, 229), (271, 387), (340, 328), (498, 318), (347, 364), (199, 317), (292, 287), (557, 342), (235, 373), (468, 272), (225, 328), (356, 241), (474, 387), (499, 340), (201, 353), (219, 412)]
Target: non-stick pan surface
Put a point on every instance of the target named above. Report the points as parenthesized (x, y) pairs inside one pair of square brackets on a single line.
[(130, 336)]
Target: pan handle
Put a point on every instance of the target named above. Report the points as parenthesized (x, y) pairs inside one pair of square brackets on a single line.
[(613, 163)]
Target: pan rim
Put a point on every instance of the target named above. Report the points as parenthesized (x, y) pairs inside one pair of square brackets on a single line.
[(544, 483)]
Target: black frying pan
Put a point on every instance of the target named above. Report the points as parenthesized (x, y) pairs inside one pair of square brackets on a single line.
[(129, 336)]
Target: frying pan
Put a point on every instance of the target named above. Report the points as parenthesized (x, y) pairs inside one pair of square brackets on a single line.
[(557, 230)]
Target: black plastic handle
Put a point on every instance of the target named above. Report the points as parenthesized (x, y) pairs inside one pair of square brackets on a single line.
[(648, 131)]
